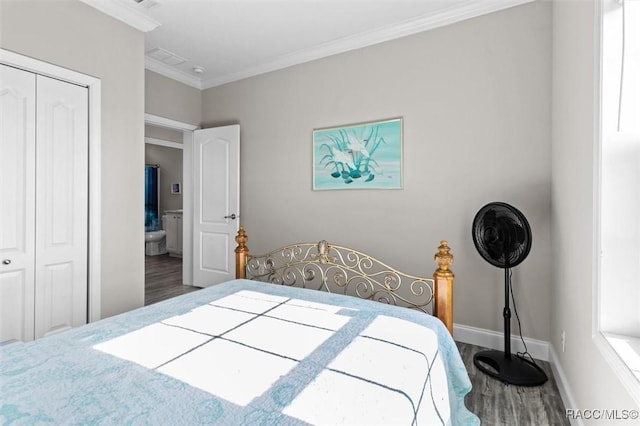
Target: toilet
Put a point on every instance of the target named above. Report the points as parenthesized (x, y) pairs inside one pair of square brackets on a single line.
[(155, 242)]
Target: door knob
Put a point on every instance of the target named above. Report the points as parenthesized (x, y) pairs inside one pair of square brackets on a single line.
[(232, 216), (6, 262)]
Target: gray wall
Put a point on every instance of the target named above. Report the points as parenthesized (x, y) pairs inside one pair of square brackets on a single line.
[(592, 380), (170, 162), (73, 35), (475, 98), (168, 98)]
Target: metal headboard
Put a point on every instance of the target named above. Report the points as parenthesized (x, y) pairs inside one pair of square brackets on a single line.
[(338, 269)]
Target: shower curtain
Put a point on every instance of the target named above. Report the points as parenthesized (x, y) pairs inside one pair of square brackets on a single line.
[(151, 198)]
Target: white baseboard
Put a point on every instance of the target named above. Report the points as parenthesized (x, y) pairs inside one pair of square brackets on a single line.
[(538, 349), (563, 385)]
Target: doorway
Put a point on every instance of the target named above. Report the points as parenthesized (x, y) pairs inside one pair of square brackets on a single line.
[(186, 185), (210, 186), (163, 214)]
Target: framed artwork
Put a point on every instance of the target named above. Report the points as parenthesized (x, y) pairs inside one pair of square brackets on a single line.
[(175, 188), (358, 156)]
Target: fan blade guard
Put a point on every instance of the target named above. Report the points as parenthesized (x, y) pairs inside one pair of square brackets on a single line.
[(501, 234)]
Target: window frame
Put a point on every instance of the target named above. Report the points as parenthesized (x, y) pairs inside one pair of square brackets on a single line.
[(611, 356)]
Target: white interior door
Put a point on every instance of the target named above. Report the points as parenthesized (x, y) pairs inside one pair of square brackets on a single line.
[(17, 206), (61, 206), (216, 203)]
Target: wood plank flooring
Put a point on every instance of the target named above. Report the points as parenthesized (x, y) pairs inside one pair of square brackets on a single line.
[(163, 278), (495, 403), (498, 404)]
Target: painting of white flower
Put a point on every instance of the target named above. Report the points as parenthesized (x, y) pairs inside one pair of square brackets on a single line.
[(358, 156)]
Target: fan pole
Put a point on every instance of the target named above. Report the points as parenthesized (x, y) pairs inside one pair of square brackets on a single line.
[(506, 314), (501, 365)]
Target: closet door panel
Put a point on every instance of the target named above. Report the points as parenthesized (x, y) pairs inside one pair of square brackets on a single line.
[(56, 298), (17, 192), (61, 198)]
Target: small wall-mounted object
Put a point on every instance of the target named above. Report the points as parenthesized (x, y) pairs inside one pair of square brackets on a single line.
[(175, 188)]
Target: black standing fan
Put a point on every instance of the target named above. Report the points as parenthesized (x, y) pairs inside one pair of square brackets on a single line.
[(502, 236)]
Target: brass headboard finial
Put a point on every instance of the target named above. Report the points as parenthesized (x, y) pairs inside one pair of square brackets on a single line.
[(242, 251), (443, 288), (241, 238), (443, 258)]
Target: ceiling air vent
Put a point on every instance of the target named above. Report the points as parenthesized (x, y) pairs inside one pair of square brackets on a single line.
[(165, 56), (146, 3)]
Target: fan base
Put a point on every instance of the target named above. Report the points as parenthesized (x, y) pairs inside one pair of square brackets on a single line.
[(509, 369)]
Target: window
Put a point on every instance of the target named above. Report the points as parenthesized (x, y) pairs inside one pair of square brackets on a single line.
[(619, 270)]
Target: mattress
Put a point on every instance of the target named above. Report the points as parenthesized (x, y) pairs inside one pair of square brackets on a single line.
[(242, 352)]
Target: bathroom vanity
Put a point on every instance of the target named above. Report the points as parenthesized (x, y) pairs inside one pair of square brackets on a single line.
[(173, 226)]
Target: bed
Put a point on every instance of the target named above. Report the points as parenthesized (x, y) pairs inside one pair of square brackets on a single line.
[(249, 352), (338, 269)]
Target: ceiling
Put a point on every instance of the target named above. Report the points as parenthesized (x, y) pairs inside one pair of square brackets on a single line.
[(206, 43)]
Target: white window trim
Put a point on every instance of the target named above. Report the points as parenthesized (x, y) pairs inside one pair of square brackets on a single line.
[(613, 359)]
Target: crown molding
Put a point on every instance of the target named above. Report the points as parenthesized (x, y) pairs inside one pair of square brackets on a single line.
[(125, 11), (471, 9), (172, 73)]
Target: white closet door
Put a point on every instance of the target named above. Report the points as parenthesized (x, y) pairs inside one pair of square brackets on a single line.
[(17, 209), (61, 206)]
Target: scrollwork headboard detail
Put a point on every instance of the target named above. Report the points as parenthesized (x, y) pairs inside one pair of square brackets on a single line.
[(337, 269)]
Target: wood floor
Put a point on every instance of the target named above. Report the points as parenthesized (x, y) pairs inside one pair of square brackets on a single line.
[(493, 402), (498, 404), (163, 278)]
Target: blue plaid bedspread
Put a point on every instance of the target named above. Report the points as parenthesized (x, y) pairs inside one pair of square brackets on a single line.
[(241, 353)]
